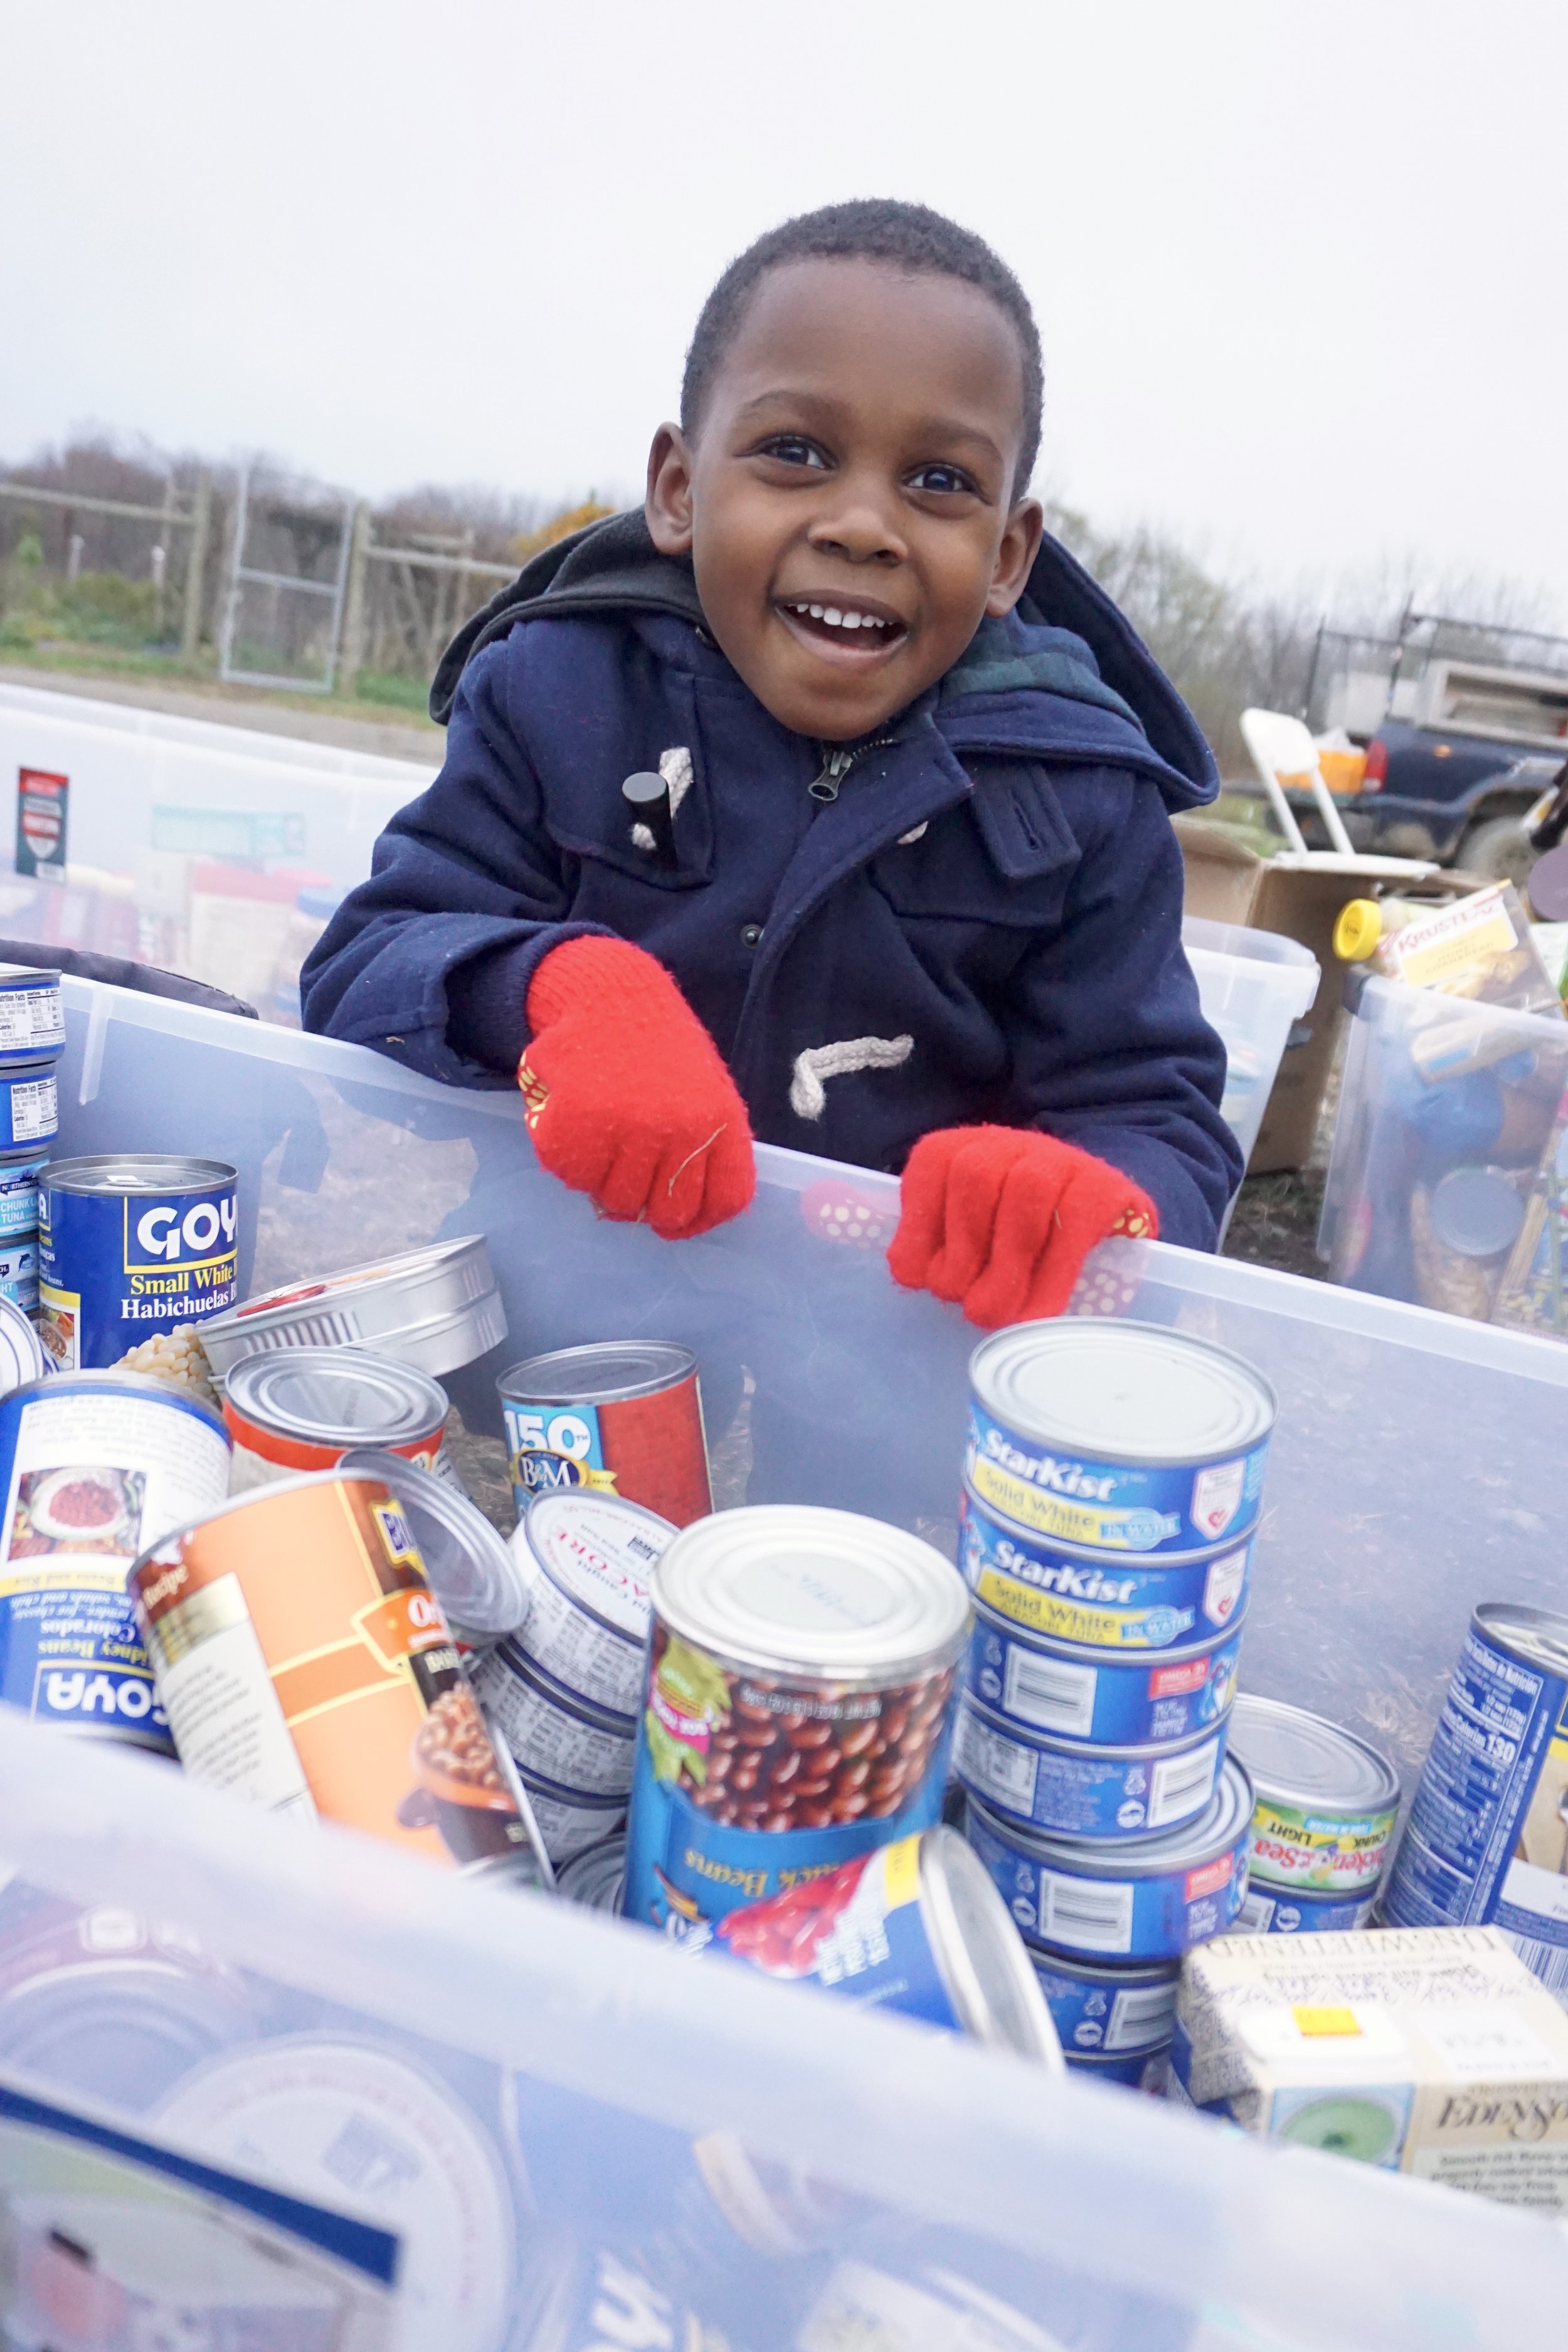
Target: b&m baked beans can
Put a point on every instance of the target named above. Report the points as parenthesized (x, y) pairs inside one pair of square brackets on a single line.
[(625, 1417), (128, 1247), (1095, 1600), (797, 1707), (1117, 1437)]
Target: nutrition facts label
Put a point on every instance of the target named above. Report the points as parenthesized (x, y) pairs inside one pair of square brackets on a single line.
[(35, 1109), (31, 1017)]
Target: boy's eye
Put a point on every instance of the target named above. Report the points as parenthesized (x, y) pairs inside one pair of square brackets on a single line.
[(794, 449), (943, 478)]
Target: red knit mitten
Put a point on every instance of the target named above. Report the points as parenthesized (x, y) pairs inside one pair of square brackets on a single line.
[(627, 1097), (1001, 1218)]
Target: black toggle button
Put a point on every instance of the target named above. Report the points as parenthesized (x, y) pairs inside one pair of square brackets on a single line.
[(649, 795), (750, 935)]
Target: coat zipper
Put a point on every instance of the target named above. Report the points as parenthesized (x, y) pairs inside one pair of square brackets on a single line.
[(836, 764)]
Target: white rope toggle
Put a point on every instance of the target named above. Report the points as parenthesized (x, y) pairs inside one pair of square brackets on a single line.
[(807, 1096)]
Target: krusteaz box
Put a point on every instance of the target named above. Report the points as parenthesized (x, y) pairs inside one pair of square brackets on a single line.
[(1431, 2050)]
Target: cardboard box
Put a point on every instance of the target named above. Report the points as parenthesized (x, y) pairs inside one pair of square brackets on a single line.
[(1430, 2050)]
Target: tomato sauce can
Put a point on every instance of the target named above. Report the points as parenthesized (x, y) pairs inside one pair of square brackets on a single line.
[(1113, 1699), (1099, 2008), (304, 1665), (797, 1707), (1117, 1436), (301, 1408), (128, 1247), (589, 1560), (29, 1104), (95, 1467), (32, 1015), (548, 1730), (20, 1177), (1069, 1788), (625, 1416), (1327, 1802), (1095, 1600)]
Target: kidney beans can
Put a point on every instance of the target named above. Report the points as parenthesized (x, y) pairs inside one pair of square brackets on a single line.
[(589, 1559), (298, 1408), (626, 1416), (1096, 2006), (32, 1015), (95, 1467), (29, 1105), (1095, 1600), (917, 1927), (129, 1247), (548, 1730), (1483, 1844), (304, 1665), (1327, 1802), (1117, 1436), (797, 1708), (1115, 1699), (19, 1273), (1291, 1911), (1071, 1790), (1150, 1900), (19, 1181)]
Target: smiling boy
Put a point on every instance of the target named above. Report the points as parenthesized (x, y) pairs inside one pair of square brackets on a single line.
[(909, 897)]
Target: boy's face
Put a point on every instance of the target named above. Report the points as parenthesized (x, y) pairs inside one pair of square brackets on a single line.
[(856, 458)]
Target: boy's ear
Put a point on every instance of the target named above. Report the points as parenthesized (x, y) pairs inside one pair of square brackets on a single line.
[(1021, 535), (668, 505)]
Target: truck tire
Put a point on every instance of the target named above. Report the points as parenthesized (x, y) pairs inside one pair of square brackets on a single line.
[(1497, 847)]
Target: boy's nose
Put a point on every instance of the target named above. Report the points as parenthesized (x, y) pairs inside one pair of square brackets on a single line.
[(861, 529)]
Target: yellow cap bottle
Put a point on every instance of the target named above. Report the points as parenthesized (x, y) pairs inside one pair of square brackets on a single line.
[(1358, 930)]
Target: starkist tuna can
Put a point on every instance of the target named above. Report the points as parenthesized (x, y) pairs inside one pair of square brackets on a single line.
[(32, 1015), (95, 1466), (1151, 1899), (1290, 1911), (1117, 1436), (1123, 2012), (626, 1416), (1100, 1601), (1069, 1788), (298, 1408), (1327, 1802), (130, 1245), (304, 1665), (29, 1105), (797, 1707), (1114, 1699), (19, 1180)]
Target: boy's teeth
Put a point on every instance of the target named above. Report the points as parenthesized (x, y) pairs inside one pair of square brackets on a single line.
[(814, 609), (837, 619)]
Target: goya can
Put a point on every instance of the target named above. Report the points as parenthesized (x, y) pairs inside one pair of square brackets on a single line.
[(19, 1180), (550, 1732), (32, 1015), (1095, 2006), (570, 1819), (304, 1665), (917, 1927), (1071, 1790), (95, 1466), (19, 1273), (1117, 1436), (797, 1707), (128, 1247), (1290, 1911), (589, 1560), (625, 1417), (1327, 1802), (303, 1408), (29, 1105), (1150, 1900), (596, 1878), (1116, 1699), (1095, 1600), (437, 1308), (1486, 1839)]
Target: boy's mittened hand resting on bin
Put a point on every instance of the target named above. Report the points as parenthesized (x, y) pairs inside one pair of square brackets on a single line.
[(626, 1096), (1000, 1220)]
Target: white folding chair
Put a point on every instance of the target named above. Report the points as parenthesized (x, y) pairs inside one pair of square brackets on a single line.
[(1281, 747)]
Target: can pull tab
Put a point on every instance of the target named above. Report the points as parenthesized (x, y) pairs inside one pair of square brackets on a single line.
[(649, 795)]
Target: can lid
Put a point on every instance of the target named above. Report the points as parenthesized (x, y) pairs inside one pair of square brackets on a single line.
[(1539, 1634), (600, 1550), (1295, 1758), (1476, 1212), (1123, 1391), (983, 1963), (472, 1570), (607, 1372), (796, 1588), (139, 1171), (31, 975), (435, 1308), (334, 1396), (21, 1350), (1358, 930)]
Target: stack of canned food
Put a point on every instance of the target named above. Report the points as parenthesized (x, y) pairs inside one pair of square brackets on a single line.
[(32, 1038), (1113, 1482)]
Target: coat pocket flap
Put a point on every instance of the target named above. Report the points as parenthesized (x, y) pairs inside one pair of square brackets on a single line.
[(1021, 820)]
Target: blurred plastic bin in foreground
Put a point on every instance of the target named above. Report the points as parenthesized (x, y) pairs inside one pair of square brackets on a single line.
[(1254, 986)]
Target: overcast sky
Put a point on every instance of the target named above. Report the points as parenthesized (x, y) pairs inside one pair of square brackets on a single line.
[(1300, 271)]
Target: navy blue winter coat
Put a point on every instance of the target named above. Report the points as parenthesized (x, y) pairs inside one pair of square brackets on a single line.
[(985, 923)]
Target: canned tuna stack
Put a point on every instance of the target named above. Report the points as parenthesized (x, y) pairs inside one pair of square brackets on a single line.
[(1114, 1477), (564, 1691), (32, 1038)]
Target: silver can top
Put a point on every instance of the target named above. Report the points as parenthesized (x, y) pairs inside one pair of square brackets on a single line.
[(471, 1568), (984, 1966), (21, 1350), (1539, 1634), (1122, 1391), (605, 1373), (139, 1171), (1223, 1824), (336, 1396), (1296, 1759), (435, 1309), (793, 1589), (600, 1550)]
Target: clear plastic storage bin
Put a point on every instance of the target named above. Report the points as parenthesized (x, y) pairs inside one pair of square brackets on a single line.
[(1254, 987), (592, 2140)]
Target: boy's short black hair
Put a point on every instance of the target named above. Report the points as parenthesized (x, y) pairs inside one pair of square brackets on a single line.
[(909, 238)]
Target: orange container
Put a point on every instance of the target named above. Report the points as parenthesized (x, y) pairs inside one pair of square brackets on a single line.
[(304, 1664)]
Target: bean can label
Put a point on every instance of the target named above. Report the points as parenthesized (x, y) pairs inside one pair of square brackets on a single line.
[(115, 1268), (1109, 1505), (1098, 1600), (651, 1449)]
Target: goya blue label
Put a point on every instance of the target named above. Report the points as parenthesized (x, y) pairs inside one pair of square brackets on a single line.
[(93, 1471), (29, 1105), (747, 1787), (1120, 2011), (1121, 1699), (1152, 1902), (1484, 1842), (32, 1015), (118, 1265), (1112, 1506), (1095, 1600), (1291, 1911), (19, 1181), (1084, 1792)]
